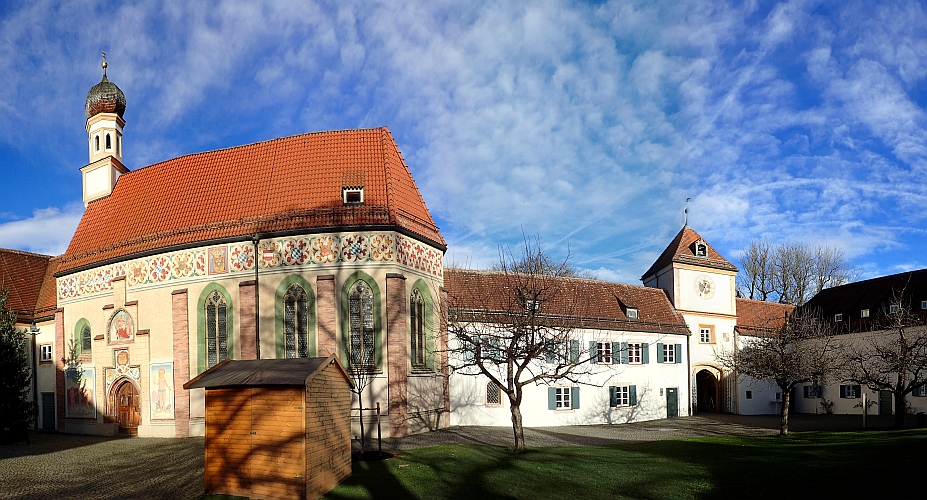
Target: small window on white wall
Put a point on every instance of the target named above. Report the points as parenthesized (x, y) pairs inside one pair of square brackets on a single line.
[(45, 353), (749, 394)]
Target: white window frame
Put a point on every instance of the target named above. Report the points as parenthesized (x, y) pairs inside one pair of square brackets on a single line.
[(347, 192), (603, 353), (864, 313), (924, 304), (634, 353), (632, 313), (704, 335), (46, 353), (622, 395), (850, 392), (669, 354), (563, 397), (838, 318)]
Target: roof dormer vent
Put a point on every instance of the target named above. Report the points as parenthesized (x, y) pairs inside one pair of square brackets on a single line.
[(353, 195), (700, 248)]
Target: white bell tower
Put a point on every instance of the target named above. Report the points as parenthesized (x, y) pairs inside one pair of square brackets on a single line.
[(104, 109)]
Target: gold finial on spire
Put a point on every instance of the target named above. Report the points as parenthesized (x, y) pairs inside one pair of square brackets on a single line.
[(104, 64)]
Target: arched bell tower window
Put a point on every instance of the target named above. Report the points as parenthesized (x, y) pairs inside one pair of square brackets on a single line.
[(96, 142), (360, 302), (216, 329), (109, 143), (118, 145), (296, 322), (417, 316)]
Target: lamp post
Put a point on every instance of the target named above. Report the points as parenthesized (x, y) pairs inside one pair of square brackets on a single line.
[(33, 331)]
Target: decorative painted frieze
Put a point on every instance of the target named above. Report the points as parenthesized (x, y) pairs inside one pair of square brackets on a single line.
[(297, 251)]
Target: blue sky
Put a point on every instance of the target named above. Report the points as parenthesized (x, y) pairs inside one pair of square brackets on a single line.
[(587, 125)]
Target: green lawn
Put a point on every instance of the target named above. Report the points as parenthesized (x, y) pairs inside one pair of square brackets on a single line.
[(881, 464)]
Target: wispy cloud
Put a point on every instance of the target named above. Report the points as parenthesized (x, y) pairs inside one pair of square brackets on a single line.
[(586, 124), (48, 231)]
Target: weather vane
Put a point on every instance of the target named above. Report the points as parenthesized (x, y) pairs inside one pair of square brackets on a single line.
[(104, 63), (687, 211)]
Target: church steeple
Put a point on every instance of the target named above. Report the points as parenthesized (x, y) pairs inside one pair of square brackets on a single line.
[(104, 108)]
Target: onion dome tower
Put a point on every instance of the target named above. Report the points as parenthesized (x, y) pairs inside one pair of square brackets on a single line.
[(104, 108)]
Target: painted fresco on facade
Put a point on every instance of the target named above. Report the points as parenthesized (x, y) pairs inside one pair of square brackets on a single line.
[(121, 328), (78, 386), (162, 391), (218, 260)]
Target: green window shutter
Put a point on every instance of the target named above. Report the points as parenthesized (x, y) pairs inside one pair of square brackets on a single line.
[(574, 397), (592, 351), (843, 391), (617, 352), (632, 394), (624, 353), (613, 396), (574, 351), (551, 398), (645, 353), (857, 392), (659, 352), (549, 351), (678, 353)]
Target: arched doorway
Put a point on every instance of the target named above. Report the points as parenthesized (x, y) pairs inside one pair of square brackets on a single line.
[(706, 386), (128, 407)]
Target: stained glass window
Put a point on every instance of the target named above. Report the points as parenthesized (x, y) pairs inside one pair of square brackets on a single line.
[(360, 302), (217, 344), (417, 317), (296, 322)]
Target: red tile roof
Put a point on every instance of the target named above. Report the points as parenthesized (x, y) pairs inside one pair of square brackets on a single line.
[(577, 302), (757, 317), (47, 301), (682, 250), (22, 275), (286, 184)]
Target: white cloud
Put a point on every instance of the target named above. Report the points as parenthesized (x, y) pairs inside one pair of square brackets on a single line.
[(48, 231)]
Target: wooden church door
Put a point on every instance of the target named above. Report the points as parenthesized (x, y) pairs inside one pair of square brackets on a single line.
[(129, 408)]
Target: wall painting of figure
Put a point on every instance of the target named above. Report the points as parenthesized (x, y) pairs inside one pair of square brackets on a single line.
[(162, 391)]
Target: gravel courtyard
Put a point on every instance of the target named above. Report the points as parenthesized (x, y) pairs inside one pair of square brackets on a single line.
[(79, 467)]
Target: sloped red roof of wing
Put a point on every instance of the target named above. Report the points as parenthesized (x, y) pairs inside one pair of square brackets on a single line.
[(681, 250), (759, 318), (22, 275), (285, 184), (575, 302)]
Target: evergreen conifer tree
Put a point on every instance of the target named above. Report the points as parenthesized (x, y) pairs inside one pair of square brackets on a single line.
[(15, 377)]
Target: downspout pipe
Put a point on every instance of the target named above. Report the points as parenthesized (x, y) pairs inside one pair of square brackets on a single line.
[(255, 239), (689, 370)]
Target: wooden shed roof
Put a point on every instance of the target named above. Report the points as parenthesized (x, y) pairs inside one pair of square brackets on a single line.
[(263, 372)]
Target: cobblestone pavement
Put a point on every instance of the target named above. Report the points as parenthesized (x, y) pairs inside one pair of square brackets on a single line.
[(68, 466), (63, 466)]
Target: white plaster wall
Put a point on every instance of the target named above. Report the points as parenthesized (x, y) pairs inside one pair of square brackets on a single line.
[(96, 181), (763, 401), (468, 393), (687, 298)]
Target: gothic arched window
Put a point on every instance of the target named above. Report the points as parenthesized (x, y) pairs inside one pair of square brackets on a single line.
[(96, 142), (296, 322), (217, 339), (85, 339), (109, 143), (360, 302), (417, 317)]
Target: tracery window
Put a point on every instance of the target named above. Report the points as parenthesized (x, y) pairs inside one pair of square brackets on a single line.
[(360, 303), (217, 340), (296, 322), (86, 339), (417, 316)]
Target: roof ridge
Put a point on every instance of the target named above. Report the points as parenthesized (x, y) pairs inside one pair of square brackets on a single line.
[(388, 173), (23, 252), (267, 141), (573, 278)]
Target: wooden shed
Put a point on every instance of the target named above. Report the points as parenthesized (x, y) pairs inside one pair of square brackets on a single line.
[(276, 428)]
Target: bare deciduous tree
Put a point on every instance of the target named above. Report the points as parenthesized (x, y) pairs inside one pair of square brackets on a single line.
[(892, 357), (501, 328), (790, 351), (791, 273)]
